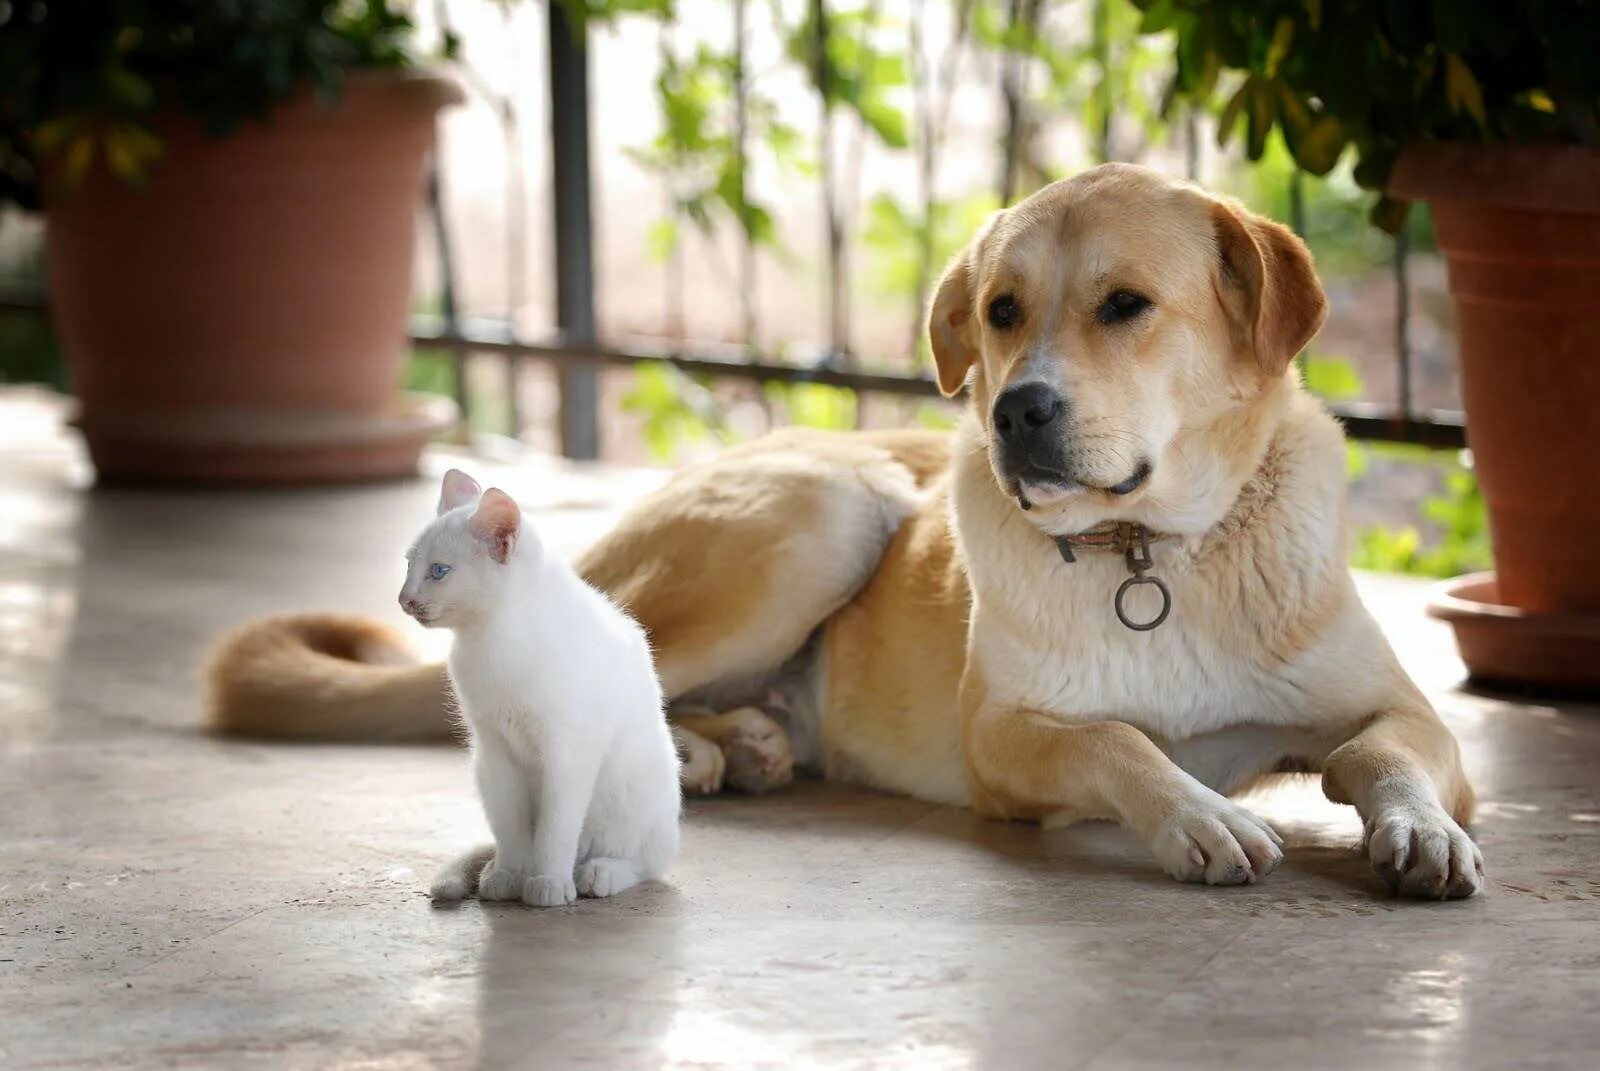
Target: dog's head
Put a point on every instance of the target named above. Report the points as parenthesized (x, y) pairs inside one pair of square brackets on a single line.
[(1118, 327)]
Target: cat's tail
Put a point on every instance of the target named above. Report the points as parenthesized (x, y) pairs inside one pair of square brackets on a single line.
[(459, 879), (325, 677)]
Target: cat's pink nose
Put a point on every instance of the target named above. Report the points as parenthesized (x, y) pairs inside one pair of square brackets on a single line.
[(410, 605)]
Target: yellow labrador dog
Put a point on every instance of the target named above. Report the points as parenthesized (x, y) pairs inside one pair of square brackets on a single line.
[(1118, 591)]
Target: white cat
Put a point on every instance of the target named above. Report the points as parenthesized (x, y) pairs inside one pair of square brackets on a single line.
[(574, 761)]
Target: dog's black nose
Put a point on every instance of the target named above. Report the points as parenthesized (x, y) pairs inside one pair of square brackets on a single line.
[(1021, 412)]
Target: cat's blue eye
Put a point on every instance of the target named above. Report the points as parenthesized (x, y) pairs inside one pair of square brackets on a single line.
[(437, 571)]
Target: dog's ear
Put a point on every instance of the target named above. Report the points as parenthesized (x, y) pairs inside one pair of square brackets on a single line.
[(951, 330), (952, 325), (1268, 285)]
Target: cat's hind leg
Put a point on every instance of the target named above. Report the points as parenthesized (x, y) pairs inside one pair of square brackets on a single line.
[(459, 879), (606, 876)]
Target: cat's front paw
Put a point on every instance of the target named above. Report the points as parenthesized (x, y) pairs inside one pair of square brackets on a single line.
[(501, 883), (606, 877), (549, 890)]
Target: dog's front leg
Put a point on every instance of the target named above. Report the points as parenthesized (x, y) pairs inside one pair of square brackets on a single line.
[(1025, 764), (1403, 773)]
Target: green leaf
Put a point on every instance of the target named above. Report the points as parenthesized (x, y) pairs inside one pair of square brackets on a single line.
[(662, 239), (1315, 141), (1390, 215), (1462, 90), (1321, 148), (1332, 378), (1372, 169), (1293, 113), (889, 71), (814, 405), (1194, 53), (1230, 113), (887, 121), (1356, 462), (1260, 116), (75, 162), (1282, 40), (758, 225), (130, 150), (130, 92), (1159, 16)]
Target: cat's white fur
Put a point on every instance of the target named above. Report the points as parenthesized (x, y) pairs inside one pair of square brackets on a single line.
[(574, 761)]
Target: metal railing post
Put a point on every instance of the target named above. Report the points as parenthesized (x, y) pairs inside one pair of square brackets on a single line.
[(574, 246)]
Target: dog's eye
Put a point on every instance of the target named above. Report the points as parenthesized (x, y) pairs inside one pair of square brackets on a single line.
[(1004, 312), (1121, 306)]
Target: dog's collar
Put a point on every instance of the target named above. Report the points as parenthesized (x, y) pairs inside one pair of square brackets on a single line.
[(1117, 537), (1133, 541)]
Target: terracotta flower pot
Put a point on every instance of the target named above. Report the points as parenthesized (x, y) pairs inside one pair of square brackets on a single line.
[(1520, 228), (242, 317)]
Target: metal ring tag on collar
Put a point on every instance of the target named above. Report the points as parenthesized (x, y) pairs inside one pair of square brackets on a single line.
[(1122, 593)]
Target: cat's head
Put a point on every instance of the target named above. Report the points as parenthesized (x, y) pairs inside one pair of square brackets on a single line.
[(456, 568)]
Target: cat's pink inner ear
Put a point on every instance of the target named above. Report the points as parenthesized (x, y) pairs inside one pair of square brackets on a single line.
[(497, 522), (458, 490)]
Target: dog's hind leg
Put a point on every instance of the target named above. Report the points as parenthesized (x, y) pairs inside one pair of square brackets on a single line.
[(733, 564), (755, 748), (703, 767)]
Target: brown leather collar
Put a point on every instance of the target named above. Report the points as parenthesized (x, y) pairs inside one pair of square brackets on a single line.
[(1117, 537), (1133, 541)]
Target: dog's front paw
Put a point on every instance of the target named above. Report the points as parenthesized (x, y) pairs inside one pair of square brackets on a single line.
[(1420, 851), (501, 883), (1211, 839), (549, 890)]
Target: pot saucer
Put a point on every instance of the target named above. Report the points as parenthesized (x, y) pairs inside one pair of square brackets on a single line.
[(1510, 647)]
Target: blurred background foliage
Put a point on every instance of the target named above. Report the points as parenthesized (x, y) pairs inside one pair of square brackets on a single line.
[(1157, 81), (80, 83)]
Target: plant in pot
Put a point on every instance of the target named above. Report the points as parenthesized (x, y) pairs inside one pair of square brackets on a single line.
[(1491, 114), (229, 193)]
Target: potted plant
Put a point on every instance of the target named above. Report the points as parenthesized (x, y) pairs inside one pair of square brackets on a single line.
[(1491, 114), (229, 193)]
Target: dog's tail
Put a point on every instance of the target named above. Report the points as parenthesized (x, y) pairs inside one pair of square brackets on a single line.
[(325, 677)]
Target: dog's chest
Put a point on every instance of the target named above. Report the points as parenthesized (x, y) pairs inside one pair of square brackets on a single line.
[(1056, 645)]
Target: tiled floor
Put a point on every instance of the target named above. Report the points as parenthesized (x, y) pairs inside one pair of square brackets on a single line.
[(167, 898)]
